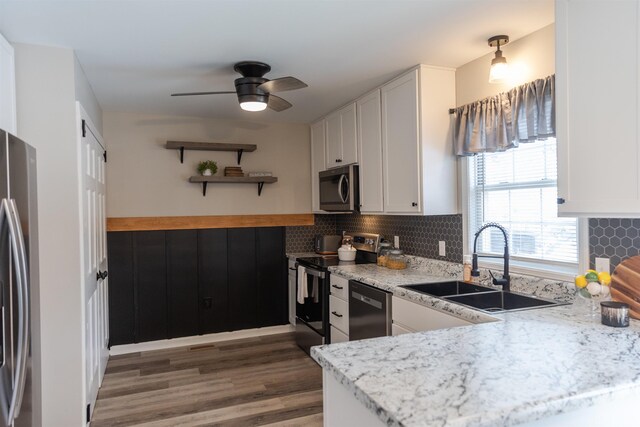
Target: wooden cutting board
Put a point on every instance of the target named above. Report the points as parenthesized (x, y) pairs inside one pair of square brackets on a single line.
[(625, 284)]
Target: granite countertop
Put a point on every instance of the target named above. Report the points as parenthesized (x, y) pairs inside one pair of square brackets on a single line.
[(530, 365), (296, 255)]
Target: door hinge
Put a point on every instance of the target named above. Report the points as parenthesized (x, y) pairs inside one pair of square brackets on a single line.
[(88, 412), (561, 201), (105, 156), (84, 128)]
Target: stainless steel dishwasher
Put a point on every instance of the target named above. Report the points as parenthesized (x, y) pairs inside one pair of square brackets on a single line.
[(369, 311)]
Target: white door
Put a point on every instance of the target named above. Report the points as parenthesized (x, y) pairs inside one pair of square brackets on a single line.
[(95, 286), (349, 134), (400, 145)]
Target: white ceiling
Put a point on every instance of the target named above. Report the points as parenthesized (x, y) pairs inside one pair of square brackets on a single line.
[(136, 52)]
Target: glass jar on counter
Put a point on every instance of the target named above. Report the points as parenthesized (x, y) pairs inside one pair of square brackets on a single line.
[(396, 260), (383, 254)]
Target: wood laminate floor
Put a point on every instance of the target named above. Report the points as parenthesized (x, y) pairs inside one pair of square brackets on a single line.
[(263, 381)]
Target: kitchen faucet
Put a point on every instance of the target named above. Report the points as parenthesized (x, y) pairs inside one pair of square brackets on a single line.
[(505, 282)]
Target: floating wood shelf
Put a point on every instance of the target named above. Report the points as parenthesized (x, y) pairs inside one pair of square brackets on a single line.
[(209, 146), (260, 180)]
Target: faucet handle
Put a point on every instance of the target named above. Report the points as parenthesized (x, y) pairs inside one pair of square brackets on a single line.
[(498, 282)]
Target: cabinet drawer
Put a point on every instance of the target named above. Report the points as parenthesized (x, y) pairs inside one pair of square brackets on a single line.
[(399, 330), (338, 336), (339, 287), (339, 314), (420, 318)]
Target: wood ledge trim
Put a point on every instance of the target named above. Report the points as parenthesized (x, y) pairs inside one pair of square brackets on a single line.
[(153, 223)]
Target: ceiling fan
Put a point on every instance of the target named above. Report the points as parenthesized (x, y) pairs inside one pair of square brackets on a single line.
[(255, 93)]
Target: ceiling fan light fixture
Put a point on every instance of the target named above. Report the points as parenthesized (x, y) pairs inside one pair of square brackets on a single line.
[(253, 106), (252, 101), (499, 71)]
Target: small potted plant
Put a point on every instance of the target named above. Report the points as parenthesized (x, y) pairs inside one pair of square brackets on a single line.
[(207, 168)]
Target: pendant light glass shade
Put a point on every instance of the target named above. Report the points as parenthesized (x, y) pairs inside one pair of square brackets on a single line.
[(499, 71), (253, 106)]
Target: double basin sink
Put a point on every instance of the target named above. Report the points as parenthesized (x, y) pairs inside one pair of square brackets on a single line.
[(481, 297)]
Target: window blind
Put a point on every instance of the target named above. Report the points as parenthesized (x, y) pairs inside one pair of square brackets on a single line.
[(518, 189)]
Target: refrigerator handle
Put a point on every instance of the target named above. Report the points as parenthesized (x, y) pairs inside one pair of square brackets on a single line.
[(19, 253)]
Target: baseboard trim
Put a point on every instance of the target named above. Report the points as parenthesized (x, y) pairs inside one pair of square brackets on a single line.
[(197, 340)]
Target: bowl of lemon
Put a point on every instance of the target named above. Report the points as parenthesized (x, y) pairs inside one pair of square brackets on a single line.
[(593, 286)]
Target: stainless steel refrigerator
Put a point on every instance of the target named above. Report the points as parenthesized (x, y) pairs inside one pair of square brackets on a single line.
[(19, 297)]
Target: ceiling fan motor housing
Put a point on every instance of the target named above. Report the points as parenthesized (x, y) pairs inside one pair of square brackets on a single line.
[(247, 89)]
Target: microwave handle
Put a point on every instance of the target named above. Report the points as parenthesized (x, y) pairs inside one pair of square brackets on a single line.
[(343, 197)]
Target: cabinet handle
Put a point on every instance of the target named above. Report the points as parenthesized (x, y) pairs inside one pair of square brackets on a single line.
[(561, 201), (414, 204), (337, 287), (336, 314), (338, 160)]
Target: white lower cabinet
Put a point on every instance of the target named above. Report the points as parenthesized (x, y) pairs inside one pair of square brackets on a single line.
[(338, 336), (412, 317), (399, 330), (339, 308)]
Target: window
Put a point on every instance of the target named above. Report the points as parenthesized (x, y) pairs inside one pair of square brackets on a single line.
[(517, 188)]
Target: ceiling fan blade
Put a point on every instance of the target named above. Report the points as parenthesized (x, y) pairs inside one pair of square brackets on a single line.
[(278, 104), (200, 93), (282, 84)]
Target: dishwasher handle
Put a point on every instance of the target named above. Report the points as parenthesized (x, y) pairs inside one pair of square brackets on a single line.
[(372, 302)]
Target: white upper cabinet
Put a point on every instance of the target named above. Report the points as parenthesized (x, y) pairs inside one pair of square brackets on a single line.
[(419, 168), (597, 101), (7, 87), (318, 161), (342, 144), (400, 142), (369, 122)]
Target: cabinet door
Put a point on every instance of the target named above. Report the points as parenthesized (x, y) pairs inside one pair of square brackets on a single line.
[(212, 281), (349, 134), (150, 276), (121, 292), (182, 282), (597, 100), (241, 264), (318, 162), (412, 316), (369, 121), (272, 278), (334, 140), (400, 145)]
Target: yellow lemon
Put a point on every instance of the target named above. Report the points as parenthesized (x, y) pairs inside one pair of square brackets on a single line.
[(580, 281), (591, 276), (604, 278)]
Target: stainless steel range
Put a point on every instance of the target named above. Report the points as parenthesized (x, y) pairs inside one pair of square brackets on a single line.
[(312, 290)]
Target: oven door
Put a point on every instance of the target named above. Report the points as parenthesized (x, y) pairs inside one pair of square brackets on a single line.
[(313, 311), (339, 189)]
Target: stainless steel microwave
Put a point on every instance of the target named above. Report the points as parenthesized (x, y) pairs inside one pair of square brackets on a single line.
[(339, 189)]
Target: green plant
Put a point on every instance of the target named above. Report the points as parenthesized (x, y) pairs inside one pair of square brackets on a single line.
[(207, 164)]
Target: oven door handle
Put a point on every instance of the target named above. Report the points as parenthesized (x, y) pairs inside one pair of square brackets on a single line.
[(316, 273)]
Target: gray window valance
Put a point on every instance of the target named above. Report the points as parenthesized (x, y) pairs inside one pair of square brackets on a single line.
[(524, 114)]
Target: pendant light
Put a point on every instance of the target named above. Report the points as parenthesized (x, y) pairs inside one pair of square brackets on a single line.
[(499, 68)]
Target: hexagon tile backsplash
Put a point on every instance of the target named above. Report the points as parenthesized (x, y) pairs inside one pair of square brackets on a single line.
[(613, 238), (419, 235)]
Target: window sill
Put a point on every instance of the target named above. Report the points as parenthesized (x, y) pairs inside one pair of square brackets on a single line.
[(548, 271)]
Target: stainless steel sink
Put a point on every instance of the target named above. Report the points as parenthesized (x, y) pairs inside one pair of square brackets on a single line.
[(442, 289), (500, 301)]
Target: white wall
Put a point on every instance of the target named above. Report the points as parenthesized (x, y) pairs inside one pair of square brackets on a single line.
[(84, 94), (46, 93), (531, 57), (145, 179)]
